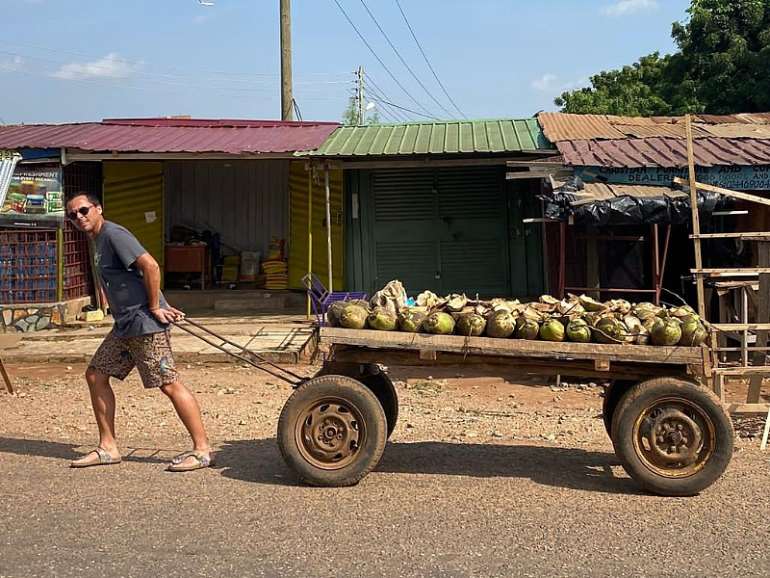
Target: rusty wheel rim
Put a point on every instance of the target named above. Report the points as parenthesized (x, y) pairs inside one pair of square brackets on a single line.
[(330, 433), (674, 437)]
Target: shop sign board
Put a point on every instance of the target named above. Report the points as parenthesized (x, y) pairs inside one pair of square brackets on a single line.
[(738, 178)]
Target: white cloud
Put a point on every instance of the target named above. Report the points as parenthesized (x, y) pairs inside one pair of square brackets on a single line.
[(626, 7), (545, 82), (111, 66), (551, 83), (11, 64)]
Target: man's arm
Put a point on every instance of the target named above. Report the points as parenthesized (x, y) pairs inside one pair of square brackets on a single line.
[(151, 275)]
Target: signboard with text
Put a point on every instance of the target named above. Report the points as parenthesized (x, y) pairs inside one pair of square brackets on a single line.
[(739, 178), (33, 195)]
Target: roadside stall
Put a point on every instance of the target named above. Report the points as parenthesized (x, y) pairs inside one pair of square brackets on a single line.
[(44, 271)]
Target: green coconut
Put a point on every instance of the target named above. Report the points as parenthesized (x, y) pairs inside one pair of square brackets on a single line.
[(693, 332), (353, 316), (410, 320), (500, 324), (667, 332), (470, 324), (620, 306), (548, 300), (439, 323), (382, 319), (633, 328), (578, 331), (646, 310), (609, 330), (527, 328), (552, 330), (683, 311), (590, 304)]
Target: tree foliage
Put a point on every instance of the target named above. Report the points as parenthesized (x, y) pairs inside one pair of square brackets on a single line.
[(350, 116), (722, 66)]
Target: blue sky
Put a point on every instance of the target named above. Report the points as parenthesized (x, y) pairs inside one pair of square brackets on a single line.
[(75, 60)]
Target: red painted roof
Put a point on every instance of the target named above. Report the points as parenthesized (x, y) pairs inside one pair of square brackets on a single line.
[(171, 135)]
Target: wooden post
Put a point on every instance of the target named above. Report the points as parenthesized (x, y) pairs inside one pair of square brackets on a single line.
[(287, 98), (695, 217), (763, 313), (328, 226)]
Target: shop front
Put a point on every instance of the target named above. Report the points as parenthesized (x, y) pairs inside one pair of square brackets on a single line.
[(44, 262)]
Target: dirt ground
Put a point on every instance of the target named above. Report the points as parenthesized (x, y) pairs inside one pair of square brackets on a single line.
[(485, 475)]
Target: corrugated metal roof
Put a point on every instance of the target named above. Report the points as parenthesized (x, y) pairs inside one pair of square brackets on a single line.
[(478, 136), (559, 127), (664, 152), (171, 136)]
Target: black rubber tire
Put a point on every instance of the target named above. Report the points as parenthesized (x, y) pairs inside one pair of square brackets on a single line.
[(637, 400), (372, 414)]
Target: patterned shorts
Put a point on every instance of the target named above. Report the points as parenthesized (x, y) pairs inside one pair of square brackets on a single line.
[(150, 354)]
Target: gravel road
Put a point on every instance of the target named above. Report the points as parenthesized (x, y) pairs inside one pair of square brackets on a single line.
[(484, 476)]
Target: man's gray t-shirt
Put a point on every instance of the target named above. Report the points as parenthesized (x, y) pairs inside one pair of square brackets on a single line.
[(116, 253)]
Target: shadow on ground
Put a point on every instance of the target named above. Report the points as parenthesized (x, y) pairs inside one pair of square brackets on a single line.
[(259, 461)]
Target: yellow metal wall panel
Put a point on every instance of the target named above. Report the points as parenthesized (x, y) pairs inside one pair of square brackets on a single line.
[(298, 244), (133, 191)]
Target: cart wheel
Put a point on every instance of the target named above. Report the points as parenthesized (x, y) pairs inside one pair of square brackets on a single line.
[(332, 431), (673, 437)]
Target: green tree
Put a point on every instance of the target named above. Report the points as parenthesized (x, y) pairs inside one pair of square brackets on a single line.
[(722, 67)]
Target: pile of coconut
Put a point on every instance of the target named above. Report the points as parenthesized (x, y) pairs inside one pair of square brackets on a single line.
[(576, 319)]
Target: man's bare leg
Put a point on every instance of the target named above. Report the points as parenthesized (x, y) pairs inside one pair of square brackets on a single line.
[(189, 412), (103, 403)]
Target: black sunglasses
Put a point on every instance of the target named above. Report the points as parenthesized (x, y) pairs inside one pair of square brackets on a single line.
[(73, 216)]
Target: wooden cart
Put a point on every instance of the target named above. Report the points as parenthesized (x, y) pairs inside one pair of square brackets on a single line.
[(670, 431)]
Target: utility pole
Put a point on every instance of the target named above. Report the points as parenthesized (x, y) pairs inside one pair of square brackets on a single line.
[(287, 98), (360, 95)]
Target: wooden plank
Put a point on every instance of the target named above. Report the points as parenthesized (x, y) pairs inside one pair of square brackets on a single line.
[(9, 340), (758, 236), (749, 408), (737, 272), (744, 371), (488, 364), (510, 347), (721, 191), (695, 215), (727, 327)]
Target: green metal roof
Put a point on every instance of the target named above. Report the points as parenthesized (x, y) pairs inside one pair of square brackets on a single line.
[(433, 138)]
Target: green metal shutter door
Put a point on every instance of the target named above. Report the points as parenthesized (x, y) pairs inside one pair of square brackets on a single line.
[(441, 229), (473, 241), (404, 236)]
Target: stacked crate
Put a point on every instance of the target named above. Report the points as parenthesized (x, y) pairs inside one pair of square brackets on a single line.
[(28, 271)]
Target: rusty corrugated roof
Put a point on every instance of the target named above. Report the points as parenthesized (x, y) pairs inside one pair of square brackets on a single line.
[(664, 152), (559, 127), (169, 135)]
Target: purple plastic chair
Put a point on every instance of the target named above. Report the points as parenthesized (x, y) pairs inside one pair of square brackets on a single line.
[(321, 298)]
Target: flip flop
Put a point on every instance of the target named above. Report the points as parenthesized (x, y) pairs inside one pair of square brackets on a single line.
[(201, 461), (103, 458)]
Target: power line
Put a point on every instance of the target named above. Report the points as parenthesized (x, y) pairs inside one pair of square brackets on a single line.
[(404, 108), (401, 86), (383, 95), (383, 102), (427, 61), (403, 61)]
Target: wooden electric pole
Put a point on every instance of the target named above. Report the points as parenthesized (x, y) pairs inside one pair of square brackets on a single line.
[(287, 98)]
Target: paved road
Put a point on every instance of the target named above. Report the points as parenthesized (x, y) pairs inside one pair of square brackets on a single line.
[(487, 498)]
